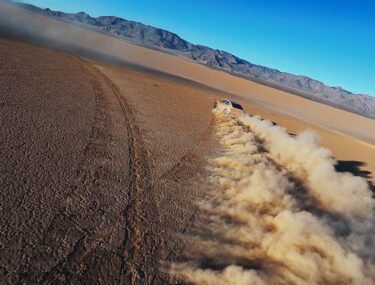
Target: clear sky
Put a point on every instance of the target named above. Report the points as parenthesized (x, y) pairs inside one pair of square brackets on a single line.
[(329, 40)]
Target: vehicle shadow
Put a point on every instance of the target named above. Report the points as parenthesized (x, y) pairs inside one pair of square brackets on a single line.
[(354, 167)]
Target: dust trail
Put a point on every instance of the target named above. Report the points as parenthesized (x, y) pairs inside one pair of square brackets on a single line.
[(259, 230), (341, 193)]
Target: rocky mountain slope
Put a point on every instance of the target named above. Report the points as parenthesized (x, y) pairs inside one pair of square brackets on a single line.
[(169, 42)]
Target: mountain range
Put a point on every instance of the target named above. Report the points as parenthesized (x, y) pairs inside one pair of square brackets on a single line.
[(169, 42)]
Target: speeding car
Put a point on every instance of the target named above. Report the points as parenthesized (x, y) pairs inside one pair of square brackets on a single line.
[(228, 107)]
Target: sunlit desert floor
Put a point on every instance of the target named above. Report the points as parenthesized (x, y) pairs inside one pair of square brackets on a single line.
[(103, 164)]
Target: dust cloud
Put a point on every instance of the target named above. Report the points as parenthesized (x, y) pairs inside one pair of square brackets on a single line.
[(279, 213), (27, 26)]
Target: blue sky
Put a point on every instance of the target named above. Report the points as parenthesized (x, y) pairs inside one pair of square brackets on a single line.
[(331, 40)]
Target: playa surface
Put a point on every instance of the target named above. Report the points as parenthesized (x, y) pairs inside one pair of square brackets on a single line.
[(103, 162)]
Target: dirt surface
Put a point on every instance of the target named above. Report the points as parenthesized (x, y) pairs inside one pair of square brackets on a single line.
[(102, 166), (75, 175), (85, 196)]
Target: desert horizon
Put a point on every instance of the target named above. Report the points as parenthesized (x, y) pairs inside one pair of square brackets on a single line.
[(123, 165)]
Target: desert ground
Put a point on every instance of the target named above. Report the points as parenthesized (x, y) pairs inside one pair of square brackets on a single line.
[(87, 164), (105, 156)]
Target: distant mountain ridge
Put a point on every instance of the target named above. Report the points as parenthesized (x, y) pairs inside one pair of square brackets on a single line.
[(169, 42)]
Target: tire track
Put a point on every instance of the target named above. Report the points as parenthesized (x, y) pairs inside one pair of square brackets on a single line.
[(139, 248), (76, 242), (140, 259), (96, 149), (36, 240), (101, 221), (137, 252)]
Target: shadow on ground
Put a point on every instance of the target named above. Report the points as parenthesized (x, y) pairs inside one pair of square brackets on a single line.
[(354, 167)]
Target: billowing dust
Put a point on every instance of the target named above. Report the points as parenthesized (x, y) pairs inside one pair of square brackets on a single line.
[(279, 213)]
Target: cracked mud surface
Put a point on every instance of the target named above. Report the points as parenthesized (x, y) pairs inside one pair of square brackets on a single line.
[(99, 169)]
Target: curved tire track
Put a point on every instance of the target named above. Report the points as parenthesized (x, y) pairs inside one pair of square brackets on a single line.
[(65, 224), (139, 254)]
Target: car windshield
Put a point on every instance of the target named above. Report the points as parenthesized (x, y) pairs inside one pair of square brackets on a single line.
[(237, 106), (226, 102)]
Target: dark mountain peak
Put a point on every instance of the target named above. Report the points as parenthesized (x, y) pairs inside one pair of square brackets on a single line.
[(83, 15), (339, 88)]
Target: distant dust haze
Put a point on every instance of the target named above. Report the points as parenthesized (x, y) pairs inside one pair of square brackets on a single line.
[(279, 213), (19, 24)]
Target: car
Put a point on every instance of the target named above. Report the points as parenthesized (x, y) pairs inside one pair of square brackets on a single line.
[(228, 107)]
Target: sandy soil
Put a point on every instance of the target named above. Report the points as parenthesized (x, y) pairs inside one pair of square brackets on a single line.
[(102, 164)]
